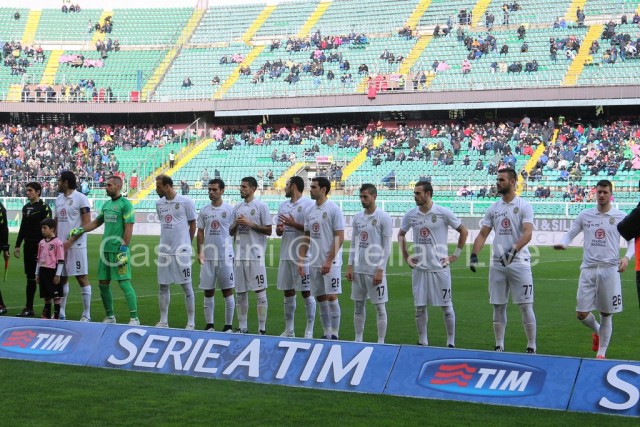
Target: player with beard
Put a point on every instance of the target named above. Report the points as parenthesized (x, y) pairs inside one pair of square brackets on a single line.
[(291, 228), (72, 211), (251, 226), (510, 271), (118, 217)]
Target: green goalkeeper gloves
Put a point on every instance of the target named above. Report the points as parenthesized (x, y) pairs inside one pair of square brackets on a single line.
[(123, 257), (76, 232)]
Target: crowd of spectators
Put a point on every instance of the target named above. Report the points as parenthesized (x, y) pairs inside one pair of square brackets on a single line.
[(324, 49), (19, 57), (40, 153)]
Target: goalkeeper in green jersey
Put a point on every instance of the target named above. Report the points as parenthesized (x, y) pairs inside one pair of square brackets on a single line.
[(118, 217)]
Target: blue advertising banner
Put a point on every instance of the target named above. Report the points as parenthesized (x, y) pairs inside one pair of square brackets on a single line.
[(48, 341), (605, 386), (487, 377), (295, 362)]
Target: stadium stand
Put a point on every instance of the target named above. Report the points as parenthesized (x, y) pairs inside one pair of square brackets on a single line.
[(225, 24), (152, 42), (149, 26), (55, 26)]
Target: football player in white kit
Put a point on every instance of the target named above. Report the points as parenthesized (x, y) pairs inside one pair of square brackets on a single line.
[(599, 285), (72, 211), (431, 275), (215, 254), (510, 270), (324, 235), (251, 226), (177, 216), (368, 256), (291, 228)]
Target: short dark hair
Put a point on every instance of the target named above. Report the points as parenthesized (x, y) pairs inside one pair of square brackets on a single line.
[(251, 181), (115, 178), (35, 186), (49, 222), (322, 182), (511, 172), (165, 179), (369, 188), (605, 183), (217, 181), (426, 187), (298, 182), (70, 177)]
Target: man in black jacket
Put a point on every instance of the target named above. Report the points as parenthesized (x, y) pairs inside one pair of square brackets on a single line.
[(32, 213)]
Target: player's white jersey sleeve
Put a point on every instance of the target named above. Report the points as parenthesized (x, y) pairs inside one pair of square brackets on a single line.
[(507, 220), (69, 212), (291, 237), (371, 241), (322, 222), (250, 244), (215, 223), (174, 216), (430, 232), (601, 246)]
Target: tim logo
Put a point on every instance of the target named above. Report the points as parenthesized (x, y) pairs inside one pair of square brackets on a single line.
[(38, 341), (477, 377)]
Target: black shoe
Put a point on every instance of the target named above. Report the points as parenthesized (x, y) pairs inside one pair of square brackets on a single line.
[(451, 346), (498, 348), (3, 310), (530, 350), (334, 338), (241, 331), (263, 332), (209, 327), (26, 313), (227, 328)]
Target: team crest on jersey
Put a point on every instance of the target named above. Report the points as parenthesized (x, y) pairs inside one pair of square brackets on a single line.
[(70, 202), (364, 236), (315, 227), (516, 210), (434, 219), (177, 206), (324, 215), (600, 233), (612, 220), (299, 208), (50, 247), (224, 214), (215, 224), (253, 212), (424, 232), (374, 222), (506, 223), (167, 219)]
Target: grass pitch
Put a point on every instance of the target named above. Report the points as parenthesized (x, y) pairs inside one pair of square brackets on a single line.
[(37, 393)]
